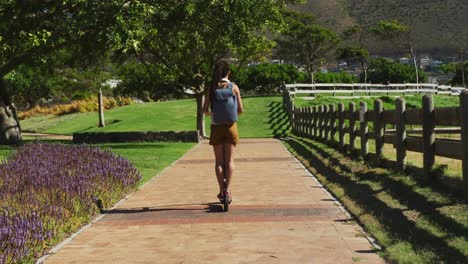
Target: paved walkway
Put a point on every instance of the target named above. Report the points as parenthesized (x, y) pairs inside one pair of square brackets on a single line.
[(280, 214)]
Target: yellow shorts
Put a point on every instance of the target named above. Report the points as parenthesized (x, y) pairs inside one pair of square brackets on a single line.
[(224, 134)]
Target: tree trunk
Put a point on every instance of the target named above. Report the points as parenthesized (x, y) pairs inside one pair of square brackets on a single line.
[(364, 69), (101, 110), (200, 116), (415, 66), (10, 132), (463, 67)]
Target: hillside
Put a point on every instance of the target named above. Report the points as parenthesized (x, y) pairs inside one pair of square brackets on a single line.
[(437, 24)]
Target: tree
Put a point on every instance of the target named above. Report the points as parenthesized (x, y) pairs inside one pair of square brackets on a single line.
[(31, 31), (354, 50), (397, 31), (386, 71), (460, 70), (306, 43), (187, 37)]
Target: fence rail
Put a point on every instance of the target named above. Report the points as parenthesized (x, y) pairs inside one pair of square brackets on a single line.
[(368, 88), (324, 122)]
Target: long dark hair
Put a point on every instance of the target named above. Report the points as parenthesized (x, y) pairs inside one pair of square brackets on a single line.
[(220, 70)]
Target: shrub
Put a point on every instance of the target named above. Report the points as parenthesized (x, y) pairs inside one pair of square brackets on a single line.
[(382, 71), (49, 190), (81, 106), (266, 78)]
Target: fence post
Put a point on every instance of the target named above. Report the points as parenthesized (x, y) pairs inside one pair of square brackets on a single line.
[(313, 123), (332, 123), (291, 111), (341, 126), (298, 118), (378, 128), (308, 120), (352, 128), (428, 135), (364, 129), (295, 115), (321, 110), (302, 119), (316, 122), (400, 132), (464, 138), (311, 115), (283, 86), (326, 122)]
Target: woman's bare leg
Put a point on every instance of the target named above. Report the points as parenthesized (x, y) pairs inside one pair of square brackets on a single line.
[(229, 160), (219, 156)]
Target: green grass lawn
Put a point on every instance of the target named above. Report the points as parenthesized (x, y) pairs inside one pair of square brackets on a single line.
[(412, 101), (261, 118), (152, 157), (161, 116)]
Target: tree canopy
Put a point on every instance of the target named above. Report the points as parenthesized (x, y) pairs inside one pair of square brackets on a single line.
[(185, 38), (306, 43), (31, 30)]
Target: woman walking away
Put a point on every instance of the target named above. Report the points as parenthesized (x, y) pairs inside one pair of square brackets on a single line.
[(224, 101)]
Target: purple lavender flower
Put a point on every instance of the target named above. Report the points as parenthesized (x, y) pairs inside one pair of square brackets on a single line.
[(48, 190)]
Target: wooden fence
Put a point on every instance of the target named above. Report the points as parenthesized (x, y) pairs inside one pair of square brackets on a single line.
[(369, 89), (325, 122)]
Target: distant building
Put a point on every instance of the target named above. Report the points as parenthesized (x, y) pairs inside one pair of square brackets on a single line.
[(405, 60), (425, 62), (276, 61), (436, 64), (112, 83)]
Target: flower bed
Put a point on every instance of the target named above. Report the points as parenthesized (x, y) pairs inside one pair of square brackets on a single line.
[(49, 190)]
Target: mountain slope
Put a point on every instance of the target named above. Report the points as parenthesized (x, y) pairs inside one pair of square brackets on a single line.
[(439, 26)]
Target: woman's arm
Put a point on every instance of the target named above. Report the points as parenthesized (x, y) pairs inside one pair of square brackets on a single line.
[(240, 106), (206, 104)]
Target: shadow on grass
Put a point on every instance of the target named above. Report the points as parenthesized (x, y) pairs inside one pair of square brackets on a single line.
[(278, 120), (365, 188)]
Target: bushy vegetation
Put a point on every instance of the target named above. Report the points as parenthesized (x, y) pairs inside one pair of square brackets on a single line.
[(386, 71), (456, 68), (267, 78), (48, 190), (148, 82)]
